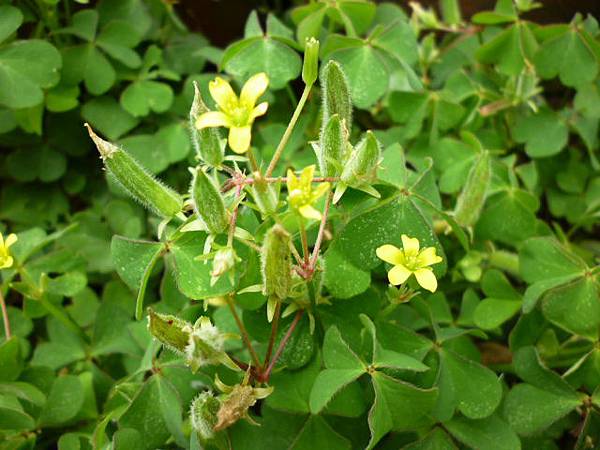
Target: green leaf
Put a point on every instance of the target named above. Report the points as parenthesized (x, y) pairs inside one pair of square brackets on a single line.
[(530, 369), (530, 409), (492, 312), (466, 385), (509, 49), (258, 54), (88, 64), (11, 360), (64, 401), (68, 284), (15, 419), (435, 440), (393, 398), (316, 433), (491, 433), (569, 56), (133, 257), (27, 67), (24, 391), (105, 115), (544, 258), (328, 383), (193, 276), (171, 409), (337, 354), (342, 278), (544, 134), (10, 19), (127, 439), (141, 97)]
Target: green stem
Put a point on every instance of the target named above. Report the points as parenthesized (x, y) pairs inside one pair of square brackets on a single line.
[(304, 240), (288, 131), (274, 327), (5, 317), (504, 260), (60, 315)]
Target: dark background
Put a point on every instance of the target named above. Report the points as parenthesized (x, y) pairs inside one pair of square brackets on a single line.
[(222, 21)]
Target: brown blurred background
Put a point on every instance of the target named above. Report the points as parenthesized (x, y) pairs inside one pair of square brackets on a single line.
[(222, 21)]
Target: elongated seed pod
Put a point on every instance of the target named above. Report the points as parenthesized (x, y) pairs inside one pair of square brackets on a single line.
[(276, 263), (362, 164), (207, 142), (336, 94), (136, 180), (310, 68), (208, 202), (332, 147), (171, 331), (472, 197)]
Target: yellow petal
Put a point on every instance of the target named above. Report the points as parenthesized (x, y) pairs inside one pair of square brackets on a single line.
[(1, 241), (239, 138), (254, 88), (292, 181), (212, 119), (320, 190), (426, 279), (390, 254), (427, 257), (410, 245), (222, 92), (307, 175), (309, 212), (398, 275), (10, 240), (259, 110), (6, 262)]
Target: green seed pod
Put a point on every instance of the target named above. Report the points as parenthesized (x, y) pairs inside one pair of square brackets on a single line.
[(332, 147), (208, 202), (472, 197), (276, 263), (207, 142), (203, 414), (171, 331), (336, 94), (362, 164), (136, 180), (310, 69)]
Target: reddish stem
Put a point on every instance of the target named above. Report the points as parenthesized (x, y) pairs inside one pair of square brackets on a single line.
[(265, 376), (274, 327), (7, 333)]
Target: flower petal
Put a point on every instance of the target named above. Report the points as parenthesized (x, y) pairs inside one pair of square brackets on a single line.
[(390, 254), (292, 181), (6, 262), (260, 110), (212, 119), (239, 138), (410, 245), (309, 212), (426, 279), (319, 191), (254, 88), (427, 257), (306, 176), (399, 274), (222, 92), (10, 240)]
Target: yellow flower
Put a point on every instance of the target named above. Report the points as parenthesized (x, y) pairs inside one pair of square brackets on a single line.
[(410, 260), (301, 195), (6, 260), (235, 113)]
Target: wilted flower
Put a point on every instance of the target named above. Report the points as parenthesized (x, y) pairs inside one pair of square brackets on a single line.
[(410, 260), (235, 113)]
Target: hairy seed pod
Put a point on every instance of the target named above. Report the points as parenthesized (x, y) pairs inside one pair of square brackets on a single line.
[(472, 197), (332, 147), (310, 69), (171, 331), (336, 94), (362, 164), (136, 180), (207, 142), (203, 414), (276, 263), (208, 202)]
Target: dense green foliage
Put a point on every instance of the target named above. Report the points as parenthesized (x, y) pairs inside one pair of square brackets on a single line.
[(141, 315)]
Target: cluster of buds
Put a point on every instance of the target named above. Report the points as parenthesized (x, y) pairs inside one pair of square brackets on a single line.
[(201, 344)]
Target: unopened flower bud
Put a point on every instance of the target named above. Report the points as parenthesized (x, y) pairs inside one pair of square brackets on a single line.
[(136, 180), (276, 263), (264, 196), (171, 331), (203, 414), (208, 202), (310, 69), (207, 141), (362, 164), (336, 94), (223, 262)]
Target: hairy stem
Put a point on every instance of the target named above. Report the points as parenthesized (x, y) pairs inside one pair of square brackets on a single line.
[(243, 332), (319, 241), (304, 240), (282, 345), (7, 333), (288, 131), (274, 327)]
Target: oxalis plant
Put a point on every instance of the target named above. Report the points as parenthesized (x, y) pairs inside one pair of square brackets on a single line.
[(367, 227)]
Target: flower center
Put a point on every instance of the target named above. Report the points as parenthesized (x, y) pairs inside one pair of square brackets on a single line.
[(411, 260)]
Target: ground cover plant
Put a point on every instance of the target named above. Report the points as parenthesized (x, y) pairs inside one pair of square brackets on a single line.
[(358, 226)]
